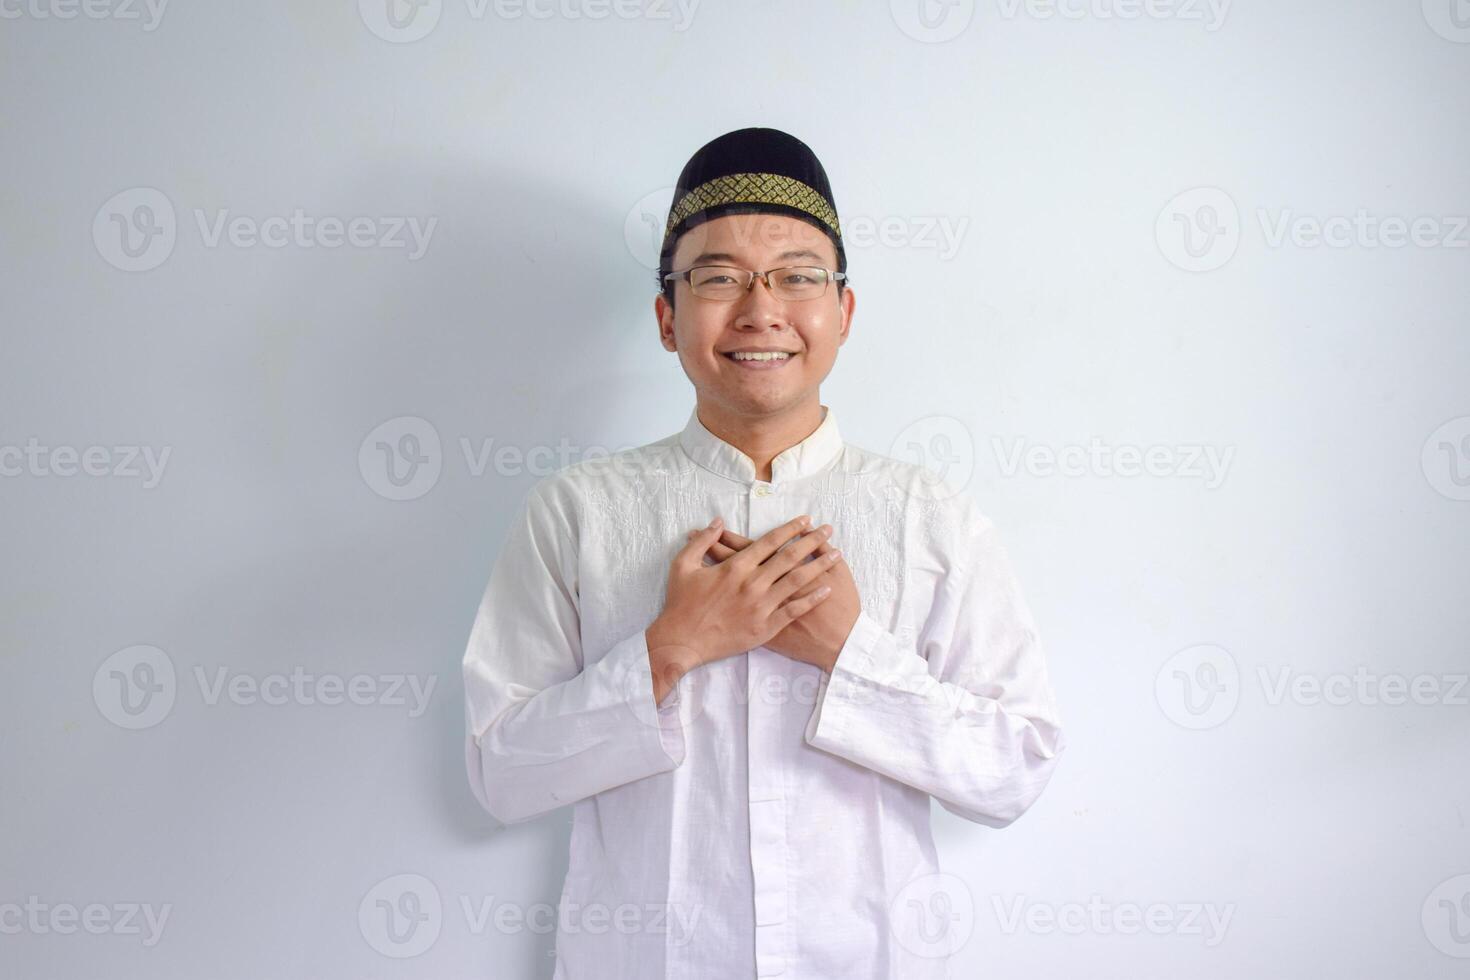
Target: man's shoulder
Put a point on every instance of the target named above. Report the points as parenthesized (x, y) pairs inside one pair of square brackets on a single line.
[(939, 494), (606, 472)]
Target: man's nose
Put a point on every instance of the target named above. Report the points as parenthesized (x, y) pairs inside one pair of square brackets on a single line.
[(760, 304)]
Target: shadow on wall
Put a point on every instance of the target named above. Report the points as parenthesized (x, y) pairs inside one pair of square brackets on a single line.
[(517, 279)]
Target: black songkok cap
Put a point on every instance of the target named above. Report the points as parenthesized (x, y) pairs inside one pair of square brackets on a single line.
[(751, 171)]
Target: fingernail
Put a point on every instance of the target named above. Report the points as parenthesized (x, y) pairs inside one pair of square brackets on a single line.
[(716, 522), (834, 554), (822, 592)]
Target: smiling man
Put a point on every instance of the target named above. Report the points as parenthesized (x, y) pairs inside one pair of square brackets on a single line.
[(749, 654)]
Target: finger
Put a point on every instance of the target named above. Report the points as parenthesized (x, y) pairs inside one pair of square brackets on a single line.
[(834, 573), (785, 550), (728, 544), (796, 608), (692, 554), (724, 542), (765, 546), (739, 541), (718, 553), (736, 541), (822, 548), (826, 544), (794, 581), (790, 556), (834, 567), (824, 578)]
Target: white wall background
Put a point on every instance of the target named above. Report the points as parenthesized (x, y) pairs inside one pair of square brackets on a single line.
[(1263, 830)]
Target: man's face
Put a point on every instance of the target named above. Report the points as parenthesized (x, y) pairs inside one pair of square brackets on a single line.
[(703, 331)]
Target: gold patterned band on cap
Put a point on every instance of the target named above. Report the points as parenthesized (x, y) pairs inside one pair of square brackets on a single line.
[(754, 189)]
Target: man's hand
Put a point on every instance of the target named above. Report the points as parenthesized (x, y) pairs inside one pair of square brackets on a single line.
[(715, 611), (818, 636)]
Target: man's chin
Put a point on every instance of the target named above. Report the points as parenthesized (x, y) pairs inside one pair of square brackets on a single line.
[(759, 404)]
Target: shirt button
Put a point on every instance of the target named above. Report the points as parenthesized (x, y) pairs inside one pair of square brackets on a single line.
[(763, 490)]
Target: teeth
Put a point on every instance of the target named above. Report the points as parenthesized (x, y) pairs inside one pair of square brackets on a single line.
[(768, 356)]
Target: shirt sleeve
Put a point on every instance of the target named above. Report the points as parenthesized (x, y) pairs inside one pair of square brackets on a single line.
[(544, 728), (968, 715)]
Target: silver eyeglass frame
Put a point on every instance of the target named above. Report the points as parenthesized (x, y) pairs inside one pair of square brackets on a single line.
[(752, 276)]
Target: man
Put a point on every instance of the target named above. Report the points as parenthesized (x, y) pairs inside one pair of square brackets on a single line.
[(748, 710)]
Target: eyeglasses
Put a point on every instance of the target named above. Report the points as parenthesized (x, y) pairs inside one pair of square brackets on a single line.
[(726, 282)]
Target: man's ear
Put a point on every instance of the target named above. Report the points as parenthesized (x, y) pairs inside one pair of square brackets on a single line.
[(848, 304), (663, 312)]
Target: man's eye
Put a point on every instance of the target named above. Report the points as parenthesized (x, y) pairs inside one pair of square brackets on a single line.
[(796, 279), (718, 280)]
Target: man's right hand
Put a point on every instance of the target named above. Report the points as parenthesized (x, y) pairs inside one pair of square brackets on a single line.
[(716, 611)]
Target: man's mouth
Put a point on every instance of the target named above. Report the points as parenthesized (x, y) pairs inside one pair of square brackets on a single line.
[(763, 359)]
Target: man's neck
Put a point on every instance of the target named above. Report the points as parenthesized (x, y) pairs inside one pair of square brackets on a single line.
[(764, 437)]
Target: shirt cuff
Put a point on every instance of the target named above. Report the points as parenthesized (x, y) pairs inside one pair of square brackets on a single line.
[(661, 730), (869, 660)]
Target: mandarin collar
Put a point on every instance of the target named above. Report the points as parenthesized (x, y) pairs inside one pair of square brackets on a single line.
[(807, 457)]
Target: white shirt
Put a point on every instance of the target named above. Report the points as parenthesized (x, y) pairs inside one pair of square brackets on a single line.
[(767, 819)]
